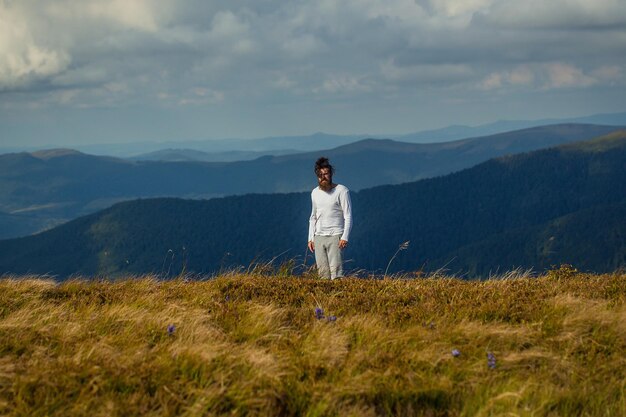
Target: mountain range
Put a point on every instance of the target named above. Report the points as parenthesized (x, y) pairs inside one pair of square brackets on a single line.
[(192, 155), (229, 150), (41, 189), (221, 149), (455, 132), (565, 204)]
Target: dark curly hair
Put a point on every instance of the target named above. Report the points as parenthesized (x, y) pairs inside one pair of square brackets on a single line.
[(323, 163)]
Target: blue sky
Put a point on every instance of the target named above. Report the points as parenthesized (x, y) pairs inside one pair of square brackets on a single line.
[(87, 71)]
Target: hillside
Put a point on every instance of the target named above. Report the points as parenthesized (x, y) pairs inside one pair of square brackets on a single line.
[(54, 186), (533, 210), (277, 345), (592, 239)]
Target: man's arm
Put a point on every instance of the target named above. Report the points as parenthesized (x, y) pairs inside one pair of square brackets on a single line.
[(346, 207), (312, 223)]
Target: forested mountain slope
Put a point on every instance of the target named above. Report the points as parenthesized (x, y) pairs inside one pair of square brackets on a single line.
[(563, 204), (46, 188)]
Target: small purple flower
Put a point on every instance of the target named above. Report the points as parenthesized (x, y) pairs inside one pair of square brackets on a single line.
[(491, 360), (332, 318), (319, 313), (171, 329), (456, 353), (228, 298)]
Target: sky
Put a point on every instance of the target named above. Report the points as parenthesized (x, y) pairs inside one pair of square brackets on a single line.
[(116, 71)]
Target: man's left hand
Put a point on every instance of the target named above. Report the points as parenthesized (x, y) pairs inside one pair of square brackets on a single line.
[(343, 244)]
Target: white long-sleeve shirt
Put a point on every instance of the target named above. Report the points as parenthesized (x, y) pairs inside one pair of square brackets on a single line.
[(331, 213)]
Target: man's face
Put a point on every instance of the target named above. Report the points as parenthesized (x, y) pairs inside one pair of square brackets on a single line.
[(325, 178)]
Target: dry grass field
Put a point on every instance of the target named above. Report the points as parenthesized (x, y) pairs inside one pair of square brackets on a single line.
[(257, 344)]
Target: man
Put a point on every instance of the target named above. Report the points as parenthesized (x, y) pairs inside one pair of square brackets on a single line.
[(330, 222)]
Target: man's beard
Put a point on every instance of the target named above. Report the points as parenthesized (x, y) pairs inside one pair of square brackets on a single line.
[(325, 185)]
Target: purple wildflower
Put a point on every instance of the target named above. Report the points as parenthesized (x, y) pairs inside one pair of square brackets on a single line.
[(332, 318), (319, 313), (171, 329), (491, 360), (456, 353)]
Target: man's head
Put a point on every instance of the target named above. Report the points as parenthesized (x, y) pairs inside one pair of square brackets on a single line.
[(324, 171)]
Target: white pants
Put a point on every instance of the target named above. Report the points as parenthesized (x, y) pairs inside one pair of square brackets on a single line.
[(328, 256)]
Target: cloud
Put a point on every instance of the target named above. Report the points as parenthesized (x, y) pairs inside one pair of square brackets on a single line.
[(114, 52), (520, 76), (549, 76), (555, 14), (85, 75), (23, 60), (303, 46), (226, 25), (608, 73), (95, 15), (561, 75), (336, 84), (425, 73), (455, 8), (56, 41), (201, 96)]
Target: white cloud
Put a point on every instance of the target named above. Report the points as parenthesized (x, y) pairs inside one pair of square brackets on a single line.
[(226, 25), (455, 8), (50, 41), (303, 47), (492, 81), (23, 59), (141, 15), (196, 96), (425, 73), (556, 14), (519, 76), (201, 96), (608, 73), (338, 84), (129, 52), (283, 82), (136, 14), (87, 74), (561, 75), (549, 76)]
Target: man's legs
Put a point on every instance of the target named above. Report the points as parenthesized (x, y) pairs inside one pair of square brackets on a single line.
[(328, 257), (335, 258), (321, 257)]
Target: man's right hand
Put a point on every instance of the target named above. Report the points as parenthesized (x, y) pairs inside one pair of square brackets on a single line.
[(311, 246)]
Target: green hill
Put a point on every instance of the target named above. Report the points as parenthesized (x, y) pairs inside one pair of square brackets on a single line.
[(564, 204)]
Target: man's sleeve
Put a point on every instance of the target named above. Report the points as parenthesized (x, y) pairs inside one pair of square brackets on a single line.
[(346, 206), (312, 219)]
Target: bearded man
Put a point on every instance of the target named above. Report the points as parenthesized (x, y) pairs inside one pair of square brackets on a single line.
[(330, 222)]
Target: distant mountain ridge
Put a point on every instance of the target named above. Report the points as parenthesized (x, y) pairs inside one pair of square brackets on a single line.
[(221, 148), (456, 132), (534, 210), (62, 185), (191, 155)]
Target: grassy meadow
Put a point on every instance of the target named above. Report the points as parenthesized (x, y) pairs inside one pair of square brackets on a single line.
[(263, 344)]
